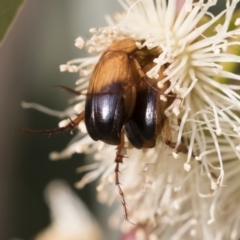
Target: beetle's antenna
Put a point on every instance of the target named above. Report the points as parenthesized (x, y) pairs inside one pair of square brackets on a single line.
[(70, 126), (118, 161)]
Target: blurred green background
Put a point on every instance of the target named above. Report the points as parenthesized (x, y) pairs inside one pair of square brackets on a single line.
[(41, 39)]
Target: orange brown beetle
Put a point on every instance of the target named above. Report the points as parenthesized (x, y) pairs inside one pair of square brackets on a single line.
[(121, 99)]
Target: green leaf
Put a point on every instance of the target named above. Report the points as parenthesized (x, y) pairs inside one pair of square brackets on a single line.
[(8, 11)]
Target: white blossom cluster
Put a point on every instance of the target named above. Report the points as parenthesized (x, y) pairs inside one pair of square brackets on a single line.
[(174, 196)]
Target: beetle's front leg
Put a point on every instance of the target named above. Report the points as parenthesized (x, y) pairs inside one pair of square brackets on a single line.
[(140, 71), (144, 79)]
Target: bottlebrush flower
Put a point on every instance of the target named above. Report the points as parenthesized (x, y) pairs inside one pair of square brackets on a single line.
[(170, 195)]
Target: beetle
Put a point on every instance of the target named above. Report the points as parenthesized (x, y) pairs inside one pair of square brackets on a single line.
[(121, 99), (111, 93)]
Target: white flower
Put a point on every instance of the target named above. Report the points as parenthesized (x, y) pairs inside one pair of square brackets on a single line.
[(175, 196)]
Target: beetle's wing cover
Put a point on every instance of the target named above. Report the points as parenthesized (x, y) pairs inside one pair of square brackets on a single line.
[(148, 115), (141, 128), (110, 88)]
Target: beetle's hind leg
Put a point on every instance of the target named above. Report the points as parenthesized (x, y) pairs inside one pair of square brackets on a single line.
[(119, 160), (70, 126), (166, 133)]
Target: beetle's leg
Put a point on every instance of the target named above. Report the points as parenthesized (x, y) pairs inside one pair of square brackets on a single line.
[(166, 132), (181, 147), (70, 126), (140, 71), (119, 160)]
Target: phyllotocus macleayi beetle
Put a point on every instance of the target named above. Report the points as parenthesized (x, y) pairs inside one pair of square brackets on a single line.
[(121, 99)]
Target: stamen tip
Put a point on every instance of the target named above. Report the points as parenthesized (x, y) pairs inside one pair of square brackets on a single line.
[(187, 167), (79, 43), (176, 111), (93, 30), (210, 221), (198, 158), (54, 156), (175, 155), (24, 104), (63, 68), (237, 22), (163, 98), (214, 185), (73, 68), (219, 131), (238, 148)]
